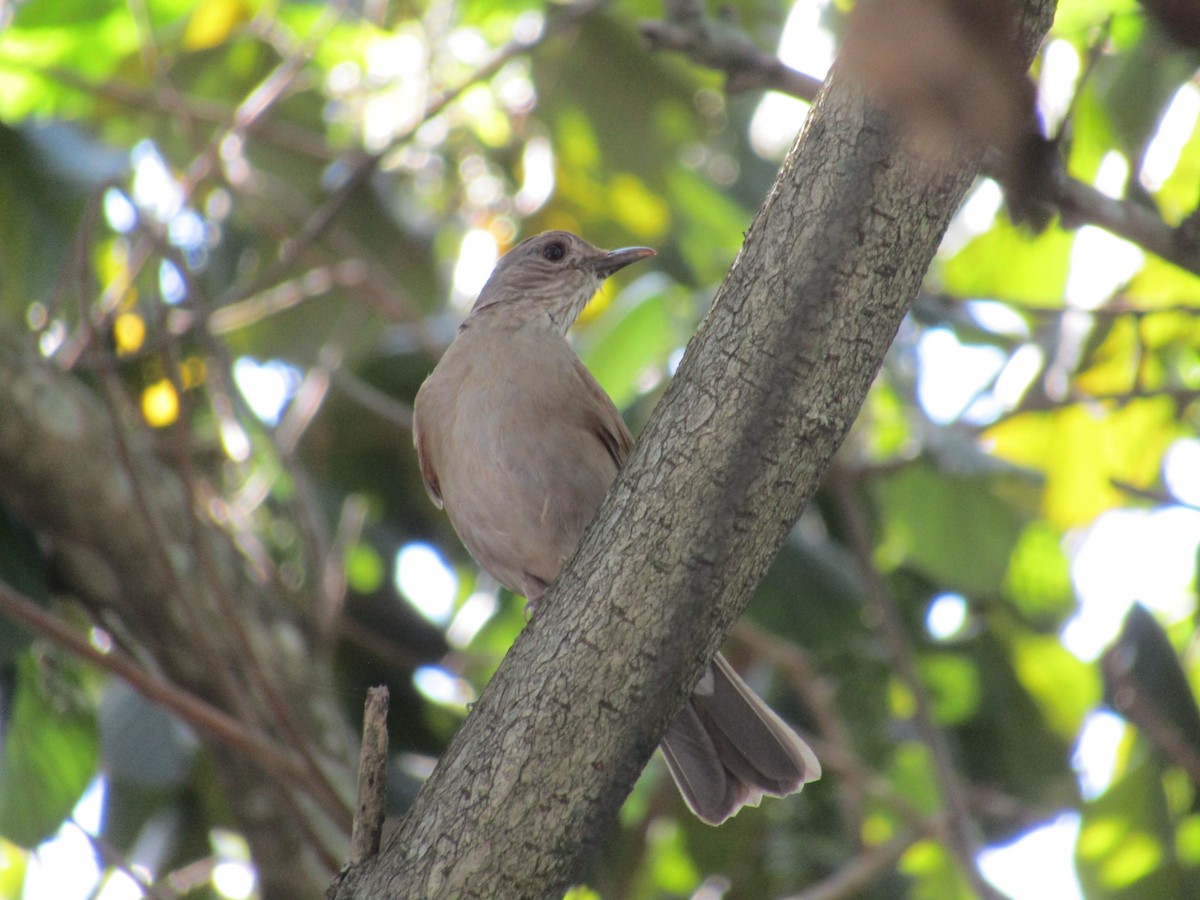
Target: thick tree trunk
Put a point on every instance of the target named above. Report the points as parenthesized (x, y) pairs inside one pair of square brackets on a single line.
[(764, 396)]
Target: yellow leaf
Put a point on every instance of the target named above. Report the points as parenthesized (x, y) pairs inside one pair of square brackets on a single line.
[(1114, 364), (193, 371), (160, 403), (212, 21), (1171, 328), (1023, 440), (12, 868), (877, 829), (637, 207), (1082, 451), (1064, 688), (1138, 855), (129, 332)]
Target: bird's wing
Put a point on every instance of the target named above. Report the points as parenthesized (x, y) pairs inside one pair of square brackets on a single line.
[(604, 419), (428, 472)]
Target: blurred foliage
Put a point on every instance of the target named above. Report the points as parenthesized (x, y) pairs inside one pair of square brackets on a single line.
[(157, 159)]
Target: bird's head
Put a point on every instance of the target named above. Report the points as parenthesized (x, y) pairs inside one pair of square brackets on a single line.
[(557, 272)]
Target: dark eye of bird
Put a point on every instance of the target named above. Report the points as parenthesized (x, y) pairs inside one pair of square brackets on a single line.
[(555, 251)]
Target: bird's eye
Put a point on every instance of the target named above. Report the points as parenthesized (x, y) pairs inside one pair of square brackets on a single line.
[(554, 251)]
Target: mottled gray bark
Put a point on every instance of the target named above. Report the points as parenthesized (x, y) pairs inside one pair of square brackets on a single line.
[(164, 579), (764, 396)]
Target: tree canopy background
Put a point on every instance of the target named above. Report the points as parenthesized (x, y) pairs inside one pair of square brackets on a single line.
[(243, 232)]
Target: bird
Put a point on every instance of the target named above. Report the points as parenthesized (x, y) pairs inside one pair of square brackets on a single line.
[(518, 444)]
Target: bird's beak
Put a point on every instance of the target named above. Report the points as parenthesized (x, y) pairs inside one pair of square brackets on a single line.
[(615, 260)]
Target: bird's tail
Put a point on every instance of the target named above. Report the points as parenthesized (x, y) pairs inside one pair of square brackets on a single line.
[(727, 748)]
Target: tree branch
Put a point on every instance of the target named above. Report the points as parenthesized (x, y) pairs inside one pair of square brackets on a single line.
[(762, 399), (961, 831), (202, 716), (855, 877), (372, 778), (127, 543), (720, 46), (364, 166)]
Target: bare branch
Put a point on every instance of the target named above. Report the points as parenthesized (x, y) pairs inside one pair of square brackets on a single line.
[(722, 46), (372, 778), (962, 831), (162, 575), (115, 859), (268, 755), (854, 878), (363, 167), (719, 46)]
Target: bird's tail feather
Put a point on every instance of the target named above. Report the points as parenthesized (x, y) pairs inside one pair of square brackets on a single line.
[(727, 748)]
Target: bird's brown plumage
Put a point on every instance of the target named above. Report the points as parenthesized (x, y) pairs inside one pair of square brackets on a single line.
[(519, 444)]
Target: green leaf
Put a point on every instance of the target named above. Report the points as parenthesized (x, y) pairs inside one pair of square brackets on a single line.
[(953, 683), (1126, 839), (42, 40), (955, 530), (672, 869), (934, 872), (710, 225), (1092, 134), (1038, 579), (1064, 688), (365, 569), (22, 568), (1084, 15), (1083, 451), (636, 343), (49, 756), (1138, 84), (1007, 263), (911, 773)]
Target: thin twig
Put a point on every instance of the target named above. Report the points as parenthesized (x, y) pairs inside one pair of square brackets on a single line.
[(364, 166), (819, 697), (284, 295), (245, 118), (720, 45), (372, 778), (854, 878), (1132, 702), (188, 596), (374, 400), (273, 759), (248, 655), (961, 829), (331, 600), (282, 133), (723, 48), (113, 858), (185, 593), (835, 747)]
